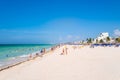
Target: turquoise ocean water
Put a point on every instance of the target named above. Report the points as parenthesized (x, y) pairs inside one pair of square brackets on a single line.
[(13, 50), (8, 51)]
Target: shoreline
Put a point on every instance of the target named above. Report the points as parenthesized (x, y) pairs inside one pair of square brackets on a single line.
[(24, 58), (21, 59), (81, 63)]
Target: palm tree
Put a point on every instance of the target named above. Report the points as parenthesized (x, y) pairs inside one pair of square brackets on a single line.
[(117, 40), (107, 39), (97, 41), (93, 40), (82, 41), (89, 40), (101, 41)]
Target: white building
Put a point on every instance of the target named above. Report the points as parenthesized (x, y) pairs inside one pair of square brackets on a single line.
[(102, 36)]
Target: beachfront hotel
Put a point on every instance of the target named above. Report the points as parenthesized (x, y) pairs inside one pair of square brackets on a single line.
[(102, 36), (105, 37)]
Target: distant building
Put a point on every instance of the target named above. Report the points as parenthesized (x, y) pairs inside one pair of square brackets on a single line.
[(102, 36)]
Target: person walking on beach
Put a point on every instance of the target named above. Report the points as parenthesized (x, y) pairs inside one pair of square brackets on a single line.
[(62, 51), (66, 50)]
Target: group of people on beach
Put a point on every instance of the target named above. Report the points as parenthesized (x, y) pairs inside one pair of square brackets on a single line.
[(42, 52), (33, 56)]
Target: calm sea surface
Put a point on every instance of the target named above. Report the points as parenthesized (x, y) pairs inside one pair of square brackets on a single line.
[(8, 51)]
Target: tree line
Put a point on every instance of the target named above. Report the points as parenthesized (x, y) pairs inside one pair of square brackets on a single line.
[(106, 40)]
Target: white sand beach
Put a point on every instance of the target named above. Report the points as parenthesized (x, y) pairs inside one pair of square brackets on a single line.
[(99, 63)]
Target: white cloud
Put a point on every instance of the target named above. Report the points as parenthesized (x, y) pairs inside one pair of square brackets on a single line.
[(117, 32)]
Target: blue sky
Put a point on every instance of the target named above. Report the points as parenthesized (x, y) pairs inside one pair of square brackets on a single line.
[(54, 21)]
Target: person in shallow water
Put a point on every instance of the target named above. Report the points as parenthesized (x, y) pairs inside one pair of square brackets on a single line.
[(7, 55), (41, 51)]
